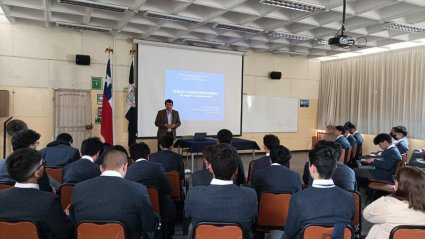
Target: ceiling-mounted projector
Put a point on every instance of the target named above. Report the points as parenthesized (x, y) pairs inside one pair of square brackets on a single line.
[(341, 41)]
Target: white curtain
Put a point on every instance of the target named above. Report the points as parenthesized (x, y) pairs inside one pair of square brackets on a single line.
[(375, 92)]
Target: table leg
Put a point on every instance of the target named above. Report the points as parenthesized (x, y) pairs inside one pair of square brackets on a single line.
[(193, 160)]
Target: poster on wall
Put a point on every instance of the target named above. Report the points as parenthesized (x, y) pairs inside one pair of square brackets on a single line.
[(99, 99), (304, 103), (99, 111), (96, 83)]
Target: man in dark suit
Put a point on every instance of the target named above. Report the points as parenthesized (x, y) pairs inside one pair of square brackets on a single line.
[(25, 139), (359, 138), (225, 136), (84, 168), (269, 141), (277, 177), (26, 202), (167, 121), (323, 202), (385, 166), (171, 161), (111, 197), (340, 139), (59, 153), (152, 174), (203, 177), (343, 177), (222, 201)]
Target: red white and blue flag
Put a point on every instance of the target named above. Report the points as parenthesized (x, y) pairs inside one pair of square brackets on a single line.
[(106, 127)]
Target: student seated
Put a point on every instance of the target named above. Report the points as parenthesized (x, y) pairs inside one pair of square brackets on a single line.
[(417, 158), (323, 202), (203, 177), (26, 202), (405, 207), (359, 138), (171, 161), (340, 139), (269, 141), (59, 152), (401, 142)]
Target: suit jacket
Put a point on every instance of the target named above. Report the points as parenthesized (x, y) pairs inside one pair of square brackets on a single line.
[(318, 205), (359, 139), (79, 171), (202, 178), (161, 120), (276, 178), (38, 206), (403, 145), (221, 203), (343, 177), (170, 160), (343, 142), (59, 154), (114, 198), (352, 141), (386, 166)]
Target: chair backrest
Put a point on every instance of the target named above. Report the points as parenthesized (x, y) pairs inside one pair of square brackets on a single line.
[(154, 197), (402, 162), (65, 191), (173, 177), (354, 152), (273, 210), (18, 230), (342, 156), (250, 171), (324, 232), (55, 172), (348, 156), (357, 219), (211, 230), (100, 230), (408, 232), (6, 185)]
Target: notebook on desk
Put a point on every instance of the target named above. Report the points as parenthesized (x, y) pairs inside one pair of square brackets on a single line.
[(199, 136), (361, 164)]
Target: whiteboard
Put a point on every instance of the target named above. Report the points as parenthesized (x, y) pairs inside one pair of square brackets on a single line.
[(269, 114)]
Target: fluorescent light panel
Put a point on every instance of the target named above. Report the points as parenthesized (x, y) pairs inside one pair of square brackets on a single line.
[(211, 43), (83, 27), (92, 4), (404, 27), (291, 36), (170, 17), (294, 5), (289, 52), (230, 27)]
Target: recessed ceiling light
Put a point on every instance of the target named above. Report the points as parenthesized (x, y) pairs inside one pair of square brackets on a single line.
[(291, 36), (93, 4), (169, 17), (290, 52), (83, 27), (210, 43), (238, 28), (295, 5), (404, 27)]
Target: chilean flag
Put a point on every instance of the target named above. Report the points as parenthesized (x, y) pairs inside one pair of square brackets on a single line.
[(107, 123)]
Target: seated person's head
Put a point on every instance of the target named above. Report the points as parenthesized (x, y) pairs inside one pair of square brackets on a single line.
[(120, 148), (280, 154), (65, 137), (139, 151), (26, 138), (400, 132), (224, 136), (351, 127), (25, 165), (410, 187), (207, 154), (392, 132), (166, 142), (330, 129), (224, 162), (115, 160), (270, 141), (339, 130), (383, 141), (322, 159), (337, 147), (92, 147)]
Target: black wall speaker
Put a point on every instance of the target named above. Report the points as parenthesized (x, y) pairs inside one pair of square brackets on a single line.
[(82, 60), (275, 75)]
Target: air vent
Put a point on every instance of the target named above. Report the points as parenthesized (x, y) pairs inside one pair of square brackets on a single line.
[(294, 5), (250, 30), (174, 18), (291, 36), (93, 4), (202, 42), (83, 27)]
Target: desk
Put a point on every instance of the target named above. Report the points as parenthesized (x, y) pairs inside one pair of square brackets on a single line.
[(196, 146)]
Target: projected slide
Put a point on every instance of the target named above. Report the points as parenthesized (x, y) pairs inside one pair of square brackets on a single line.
[(199, 96)]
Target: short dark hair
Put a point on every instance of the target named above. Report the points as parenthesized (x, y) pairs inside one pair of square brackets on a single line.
[(24, 138), (22, 163), (336, 146), (114, 159), (324, 157), (381, 138), (168, 101), (139, 150), (401, 129), (340, 128), (349, 125), (91, 146), (65, 137), (166, 141), (224, 161), (224, 136), (207, 153), (120, 148), (411, 187), (280, 154), (271, 141)]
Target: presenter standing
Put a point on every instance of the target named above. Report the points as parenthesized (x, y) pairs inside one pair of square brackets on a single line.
[(167, 121)]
